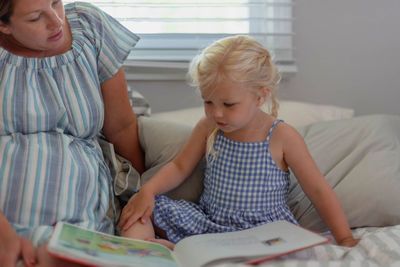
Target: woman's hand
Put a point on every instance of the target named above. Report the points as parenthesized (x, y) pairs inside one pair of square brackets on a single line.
[(44, 259), (140, 206), (348, 242), (13, 247)]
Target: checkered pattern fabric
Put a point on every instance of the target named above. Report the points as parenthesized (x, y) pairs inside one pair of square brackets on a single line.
[(243, 188)]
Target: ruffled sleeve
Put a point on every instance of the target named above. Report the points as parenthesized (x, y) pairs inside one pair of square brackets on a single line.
[(113, 42)]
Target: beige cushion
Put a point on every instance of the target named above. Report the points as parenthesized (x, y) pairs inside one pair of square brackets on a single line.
[(360, 158), (296, 113), (161, 141)]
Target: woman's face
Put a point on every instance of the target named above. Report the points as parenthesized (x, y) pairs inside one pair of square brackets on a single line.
[(37, 25)]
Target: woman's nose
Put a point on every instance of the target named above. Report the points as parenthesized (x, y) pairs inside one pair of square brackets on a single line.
[(54, 21)]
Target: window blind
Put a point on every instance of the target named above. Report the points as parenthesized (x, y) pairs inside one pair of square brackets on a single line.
[(173, 32)]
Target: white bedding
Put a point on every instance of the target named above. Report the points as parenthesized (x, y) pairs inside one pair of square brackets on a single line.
[(379, 246)]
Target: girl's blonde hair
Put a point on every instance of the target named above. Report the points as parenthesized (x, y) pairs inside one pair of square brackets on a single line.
[(240, 59)]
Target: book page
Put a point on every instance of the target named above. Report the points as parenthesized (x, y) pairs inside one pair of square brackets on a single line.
[(93, 248), (268, 240)]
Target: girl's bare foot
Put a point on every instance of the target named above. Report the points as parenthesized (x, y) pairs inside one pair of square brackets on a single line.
[(164, 242)]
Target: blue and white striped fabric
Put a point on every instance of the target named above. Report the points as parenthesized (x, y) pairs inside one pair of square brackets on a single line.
[(51, 166), (243, 188)]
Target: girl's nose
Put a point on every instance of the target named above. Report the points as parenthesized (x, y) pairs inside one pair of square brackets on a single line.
[(217, 112)]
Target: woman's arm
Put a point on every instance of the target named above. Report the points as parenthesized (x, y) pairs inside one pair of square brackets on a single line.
[(315, 186), (120, 123), (141, 205), (12, 246)]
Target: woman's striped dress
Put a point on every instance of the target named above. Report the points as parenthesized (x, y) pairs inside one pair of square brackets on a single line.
[(51, 109)]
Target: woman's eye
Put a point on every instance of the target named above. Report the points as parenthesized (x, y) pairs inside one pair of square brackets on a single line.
[(56, 2), (35, 19), (228, 105), (207, 102)]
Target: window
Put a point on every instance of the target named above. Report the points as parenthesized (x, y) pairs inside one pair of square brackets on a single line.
[(172, 32)]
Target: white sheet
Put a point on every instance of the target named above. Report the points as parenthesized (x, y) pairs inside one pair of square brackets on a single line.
[(378, 247)]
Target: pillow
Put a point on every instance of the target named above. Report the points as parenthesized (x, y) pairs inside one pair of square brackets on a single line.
[(294, 113), (300, 114), (360, 158), (161, 141), (139, 104), (187, 116)]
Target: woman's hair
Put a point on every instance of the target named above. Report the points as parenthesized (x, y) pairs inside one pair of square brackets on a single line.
[(6, 9), (240, 59)]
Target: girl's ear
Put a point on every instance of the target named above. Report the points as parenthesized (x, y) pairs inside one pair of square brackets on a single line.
[(263, 95)]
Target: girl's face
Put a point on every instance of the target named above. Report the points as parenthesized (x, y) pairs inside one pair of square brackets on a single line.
[(231, 107), (37, 25)]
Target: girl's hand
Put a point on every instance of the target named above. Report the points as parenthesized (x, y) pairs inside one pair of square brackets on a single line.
[(140, 206), (348, 242), (12, 247)]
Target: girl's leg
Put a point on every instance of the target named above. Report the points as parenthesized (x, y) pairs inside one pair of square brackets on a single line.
[(147, 232), (164, 239), (140, 230), (163, 242)]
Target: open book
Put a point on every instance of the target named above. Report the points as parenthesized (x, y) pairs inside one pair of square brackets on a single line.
[(247, 246)]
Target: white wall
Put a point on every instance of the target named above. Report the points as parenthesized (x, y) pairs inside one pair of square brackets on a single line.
[(347, 53)]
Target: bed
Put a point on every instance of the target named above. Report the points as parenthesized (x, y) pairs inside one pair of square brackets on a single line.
[(358, 155)]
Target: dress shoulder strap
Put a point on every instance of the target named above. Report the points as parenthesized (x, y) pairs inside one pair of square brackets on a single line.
[(272, 128)]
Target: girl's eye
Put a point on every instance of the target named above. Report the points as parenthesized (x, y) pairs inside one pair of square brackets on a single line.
[(228, 105), (207, 102)]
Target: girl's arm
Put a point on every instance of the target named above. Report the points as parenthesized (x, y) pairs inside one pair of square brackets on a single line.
[(120, 123), (315, 186), (141, 205)]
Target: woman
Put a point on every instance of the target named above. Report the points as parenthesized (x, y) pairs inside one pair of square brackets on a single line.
[(61, 83)]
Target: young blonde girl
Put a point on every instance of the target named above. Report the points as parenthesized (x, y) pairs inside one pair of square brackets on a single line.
[(249, 153)]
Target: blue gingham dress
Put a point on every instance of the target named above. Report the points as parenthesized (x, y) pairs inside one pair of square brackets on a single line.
[(51, 165), (243, 188)]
